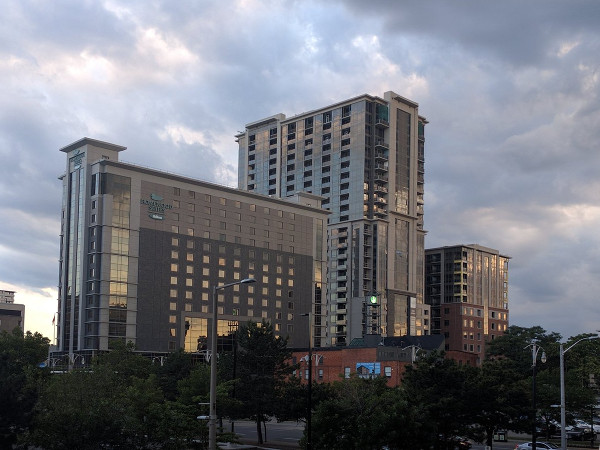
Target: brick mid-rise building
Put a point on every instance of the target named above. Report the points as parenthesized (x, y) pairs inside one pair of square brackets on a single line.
[(467, 289)]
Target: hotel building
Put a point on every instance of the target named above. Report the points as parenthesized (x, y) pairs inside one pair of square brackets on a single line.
[(365, 157), (141, 251), (467, 288)]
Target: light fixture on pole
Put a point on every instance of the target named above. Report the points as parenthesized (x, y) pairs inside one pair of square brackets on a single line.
[(309, 407), (563, 413), (212, 421), (535, 348)]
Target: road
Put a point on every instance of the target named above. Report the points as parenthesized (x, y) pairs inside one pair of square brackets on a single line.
[(286, 435)]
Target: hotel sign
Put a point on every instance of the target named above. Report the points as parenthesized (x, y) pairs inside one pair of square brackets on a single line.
[(156, 206)]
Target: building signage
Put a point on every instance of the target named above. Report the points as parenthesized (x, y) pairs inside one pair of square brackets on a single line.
[(77, 159), (156, 206)]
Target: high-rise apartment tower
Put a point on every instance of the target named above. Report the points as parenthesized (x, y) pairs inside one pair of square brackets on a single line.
[(365, 157)]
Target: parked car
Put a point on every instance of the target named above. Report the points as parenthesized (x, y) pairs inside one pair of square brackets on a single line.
[(540, 445)]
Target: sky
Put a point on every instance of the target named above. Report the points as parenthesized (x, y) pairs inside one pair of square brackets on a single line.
[(510, 90)]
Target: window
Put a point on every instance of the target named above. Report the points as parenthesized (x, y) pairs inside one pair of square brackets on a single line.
[(346, 372)]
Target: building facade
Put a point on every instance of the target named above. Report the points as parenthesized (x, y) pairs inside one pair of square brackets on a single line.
[(365, 157), (467, 289), (141, 252), (12, 315), (365, 358)]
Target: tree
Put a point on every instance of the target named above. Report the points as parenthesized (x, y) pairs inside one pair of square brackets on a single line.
[(79, 410), (436, 387), (496, 397), (262, 370), (364, 414), (20, 358)]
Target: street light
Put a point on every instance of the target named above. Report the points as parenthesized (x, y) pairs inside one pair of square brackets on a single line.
[(212, 421), (534, 352), (309, 411), (563, 414)]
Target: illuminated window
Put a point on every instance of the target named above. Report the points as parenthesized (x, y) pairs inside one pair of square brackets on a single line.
[(189, 282), (172, 319), (173, 280), (174, 267), (205, 271), (206, 259), (188, 307), (188, 295), (190, 256), (175, 242), (173, 306), (189, 269), (174, 254), (173, 293)]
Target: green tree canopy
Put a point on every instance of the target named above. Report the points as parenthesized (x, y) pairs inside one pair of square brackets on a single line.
[(262, 371), (21, 377)]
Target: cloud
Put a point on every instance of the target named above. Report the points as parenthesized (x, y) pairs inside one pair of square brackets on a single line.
[(510, 91)]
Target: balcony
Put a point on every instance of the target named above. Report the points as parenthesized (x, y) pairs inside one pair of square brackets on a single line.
[(381, 123), (379, 154), (379, 200), (380, 144), (379, 212), (380, 188), (381, 167)]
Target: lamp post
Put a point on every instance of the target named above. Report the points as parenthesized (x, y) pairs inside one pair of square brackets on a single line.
[(563, 413), (309, 410), (535, 348), (212, 418)]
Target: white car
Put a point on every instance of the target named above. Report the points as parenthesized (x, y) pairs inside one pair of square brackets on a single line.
[(540, 445)]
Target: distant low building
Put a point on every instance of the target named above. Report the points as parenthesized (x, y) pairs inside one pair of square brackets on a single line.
[(369, 357), (12, 315)]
